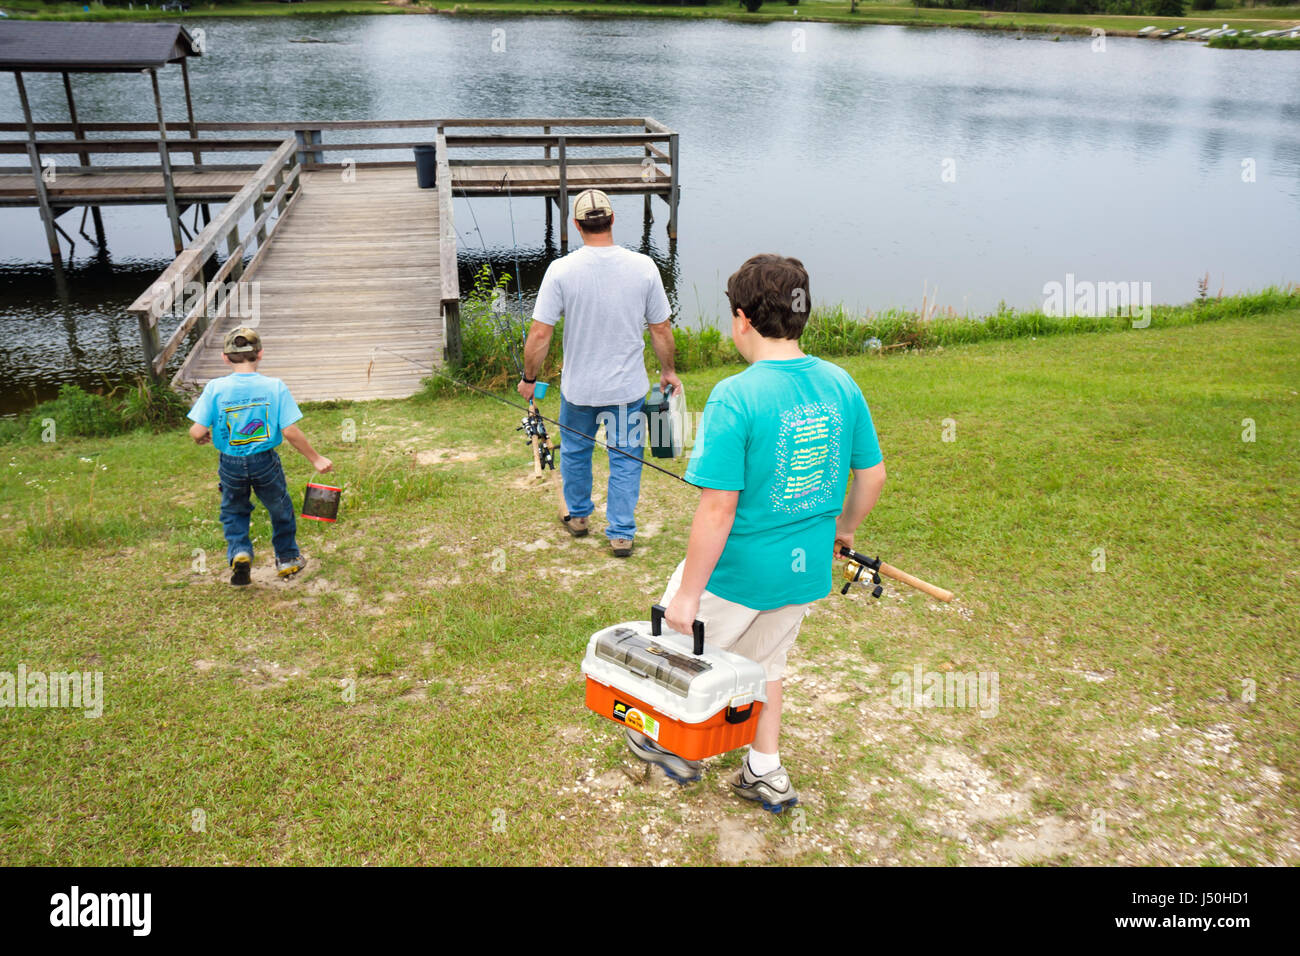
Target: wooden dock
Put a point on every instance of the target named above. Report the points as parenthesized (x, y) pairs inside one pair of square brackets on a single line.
[(348, 296), (348, 269)]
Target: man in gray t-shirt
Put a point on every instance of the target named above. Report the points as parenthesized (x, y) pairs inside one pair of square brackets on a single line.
[(607, 296)]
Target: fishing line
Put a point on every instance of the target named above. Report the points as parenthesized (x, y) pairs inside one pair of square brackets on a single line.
[(510, 206), (534, 411), (512, 347)]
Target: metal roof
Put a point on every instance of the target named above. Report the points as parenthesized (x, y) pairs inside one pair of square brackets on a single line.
[(32, 46)]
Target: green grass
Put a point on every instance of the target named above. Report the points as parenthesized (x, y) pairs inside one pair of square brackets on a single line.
[(420, 684), (1257, 18)]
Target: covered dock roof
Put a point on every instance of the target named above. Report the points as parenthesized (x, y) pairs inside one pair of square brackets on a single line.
[(32, 46)]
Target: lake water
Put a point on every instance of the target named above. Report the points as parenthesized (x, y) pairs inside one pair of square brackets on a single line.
[(890, 160)]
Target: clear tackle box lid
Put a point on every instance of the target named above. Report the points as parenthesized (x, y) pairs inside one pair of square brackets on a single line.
[(664, 673)]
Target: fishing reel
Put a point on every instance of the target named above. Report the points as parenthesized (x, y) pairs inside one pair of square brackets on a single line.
[(857, 566), (534, 429)]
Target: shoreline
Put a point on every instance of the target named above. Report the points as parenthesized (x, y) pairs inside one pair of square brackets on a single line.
[(833, 332), (870, 15)]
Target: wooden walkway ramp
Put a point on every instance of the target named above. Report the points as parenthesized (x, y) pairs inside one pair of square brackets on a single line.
[(348, 296)]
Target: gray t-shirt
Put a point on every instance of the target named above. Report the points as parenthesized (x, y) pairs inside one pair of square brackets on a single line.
[(607, 295)]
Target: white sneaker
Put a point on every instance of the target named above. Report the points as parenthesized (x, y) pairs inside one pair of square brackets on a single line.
[(773, 790)]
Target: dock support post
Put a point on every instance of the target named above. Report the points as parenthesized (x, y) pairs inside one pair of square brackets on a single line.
[(305, 138), (165, 155), (84, 158), (42, 197), (194, 130), (649, 212), (546, 200), (673, 188), (453, 353), (232, 249), (150, 344), (258, 205), (563, 201)]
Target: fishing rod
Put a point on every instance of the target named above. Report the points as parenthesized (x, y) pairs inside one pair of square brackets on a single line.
[(855, 570), (532, 411), (859, 564)]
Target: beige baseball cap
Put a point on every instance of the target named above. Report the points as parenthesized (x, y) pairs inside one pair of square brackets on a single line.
[(591, 204), (253, 342)]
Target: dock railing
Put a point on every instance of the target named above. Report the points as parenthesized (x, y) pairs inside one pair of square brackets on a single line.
[(191, 277), (559, 142), (647, 143)]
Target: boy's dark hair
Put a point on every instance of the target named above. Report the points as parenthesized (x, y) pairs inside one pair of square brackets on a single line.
[(595, 225), (773, 293)]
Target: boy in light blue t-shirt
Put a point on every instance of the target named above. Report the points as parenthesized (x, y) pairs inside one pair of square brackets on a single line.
[(772, 456), (245, 415)]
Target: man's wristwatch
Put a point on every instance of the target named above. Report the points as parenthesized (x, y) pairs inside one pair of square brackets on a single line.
[(529, 381)]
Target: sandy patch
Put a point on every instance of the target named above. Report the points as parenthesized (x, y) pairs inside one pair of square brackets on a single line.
[(445, 456), (739, 841), (1053, 837)]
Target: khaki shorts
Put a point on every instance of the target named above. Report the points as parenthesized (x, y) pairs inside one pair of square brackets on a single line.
[(762, 636)]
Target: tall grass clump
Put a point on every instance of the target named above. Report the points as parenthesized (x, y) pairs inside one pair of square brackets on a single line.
[(77, 413), (492, 336)]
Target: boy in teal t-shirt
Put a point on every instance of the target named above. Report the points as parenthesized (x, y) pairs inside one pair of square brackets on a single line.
[(245, 415), (773, 455)]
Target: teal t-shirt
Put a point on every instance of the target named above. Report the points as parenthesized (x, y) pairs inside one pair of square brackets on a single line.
[(246, 412), (784, 433)]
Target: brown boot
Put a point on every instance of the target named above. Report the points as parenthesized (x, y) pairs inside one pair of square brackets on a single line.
[(575, 526), (622, 547)]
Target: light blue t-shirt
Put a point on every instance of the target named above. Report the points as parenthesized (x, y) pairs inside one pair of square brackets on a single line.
[(784, 433), (246, 411)]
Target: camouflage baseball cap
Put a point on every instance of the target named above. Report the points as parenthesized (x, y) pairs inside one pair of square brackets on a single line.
[(252, 342)]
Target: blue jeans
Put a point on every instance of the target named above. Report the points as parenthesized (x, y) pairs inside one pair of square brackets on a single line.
[(625, 429), (264, 475)]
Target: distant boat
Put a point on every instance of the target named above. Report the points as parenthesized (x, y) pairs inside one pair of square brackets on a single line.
[(1145, 30), (1197, 33), (1168, 33)]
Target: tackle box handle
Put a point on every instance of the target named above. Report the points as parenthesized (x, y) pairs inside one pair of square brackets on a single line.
[(735, 715), (657, 625)]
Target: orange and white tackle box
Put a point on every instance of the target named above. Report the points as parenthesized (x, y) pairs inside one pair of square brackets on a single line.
[(689, 697)]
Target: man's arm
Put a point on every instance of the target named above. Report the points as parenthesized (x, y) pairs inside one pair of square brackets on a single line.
[(661, 337), (294, 436), (867, 485), (713, 519), (535, 349)]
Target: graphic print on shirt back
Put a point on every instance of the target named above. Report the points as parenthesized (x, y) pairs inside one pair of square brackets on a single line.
[(248, 424), (807, 449)]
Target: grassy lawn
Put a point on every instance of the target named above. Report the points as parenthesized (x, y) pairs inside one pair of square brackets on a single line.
[(415, 697), (1256, 18)]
